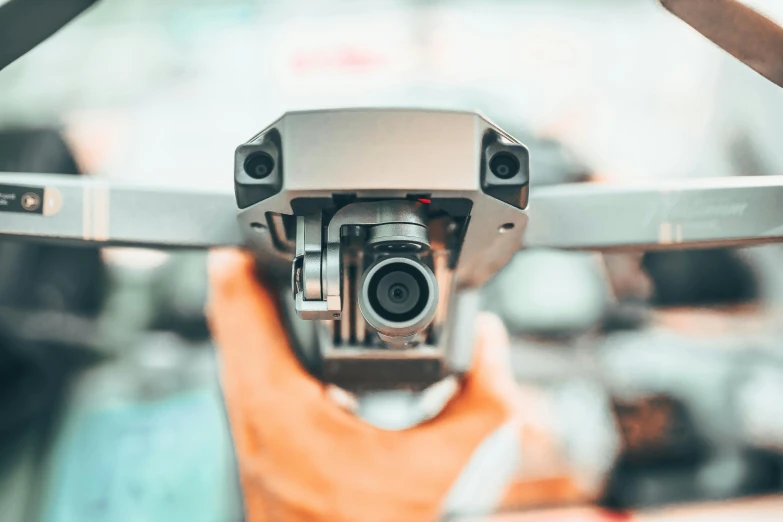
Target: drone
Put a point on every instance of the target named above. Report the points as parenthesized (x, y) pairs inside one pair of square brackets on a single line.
[(378, 226)]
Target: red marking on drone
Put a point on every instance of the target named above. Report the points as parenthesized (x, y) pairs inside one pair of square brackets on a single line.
[(339, 59), (425, 201)]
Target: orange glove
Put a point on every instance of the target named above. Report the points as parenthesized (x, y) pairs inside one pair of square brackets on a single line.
[(303, 457)]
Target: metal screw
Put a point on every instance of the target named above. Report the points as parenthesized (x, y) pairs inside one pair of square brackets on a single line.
[(297, 280)]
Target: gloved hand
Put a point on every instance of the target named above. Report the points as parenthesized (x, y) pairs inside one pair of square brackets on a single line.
[(303, 457)]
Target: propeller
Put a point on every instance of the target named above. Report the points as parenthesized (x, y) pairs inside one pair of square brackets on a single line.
[(747, 35), (24, 24)]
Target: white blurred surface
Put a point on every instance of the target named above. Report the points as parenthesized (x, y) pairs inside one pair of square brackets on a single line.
[(163, 92)]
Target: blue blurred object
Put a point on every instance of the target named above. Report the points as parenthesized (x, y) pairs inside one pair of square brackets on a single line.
[(146, 439)]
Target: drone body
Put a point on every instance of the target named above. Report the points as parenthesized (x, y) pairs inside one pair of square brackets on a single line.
[(384, 219), (377, 225)]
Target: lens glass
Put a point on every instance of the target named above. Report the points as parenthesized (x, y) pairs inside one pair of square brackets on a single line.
[(259, 165), (398, 246), (504, 165), (398, 292)]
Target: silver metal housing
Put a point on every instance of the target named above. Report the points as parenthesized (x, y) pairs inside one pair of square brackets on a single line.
[(390, 154), (355, 182)]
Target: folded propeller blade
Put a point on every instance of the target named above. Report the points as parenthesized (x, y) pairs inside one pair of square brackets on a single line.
[(747, 35), (26, 23)]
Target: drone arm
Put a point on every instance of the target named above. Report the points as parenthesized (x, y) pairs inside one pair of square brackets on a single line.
[(744, 33), (741, 211), (83, 210)]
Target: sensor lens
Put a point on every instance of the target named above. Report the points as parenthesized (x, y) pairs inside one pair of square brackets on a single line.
[(398, 292), (259, 165), (504, 165)]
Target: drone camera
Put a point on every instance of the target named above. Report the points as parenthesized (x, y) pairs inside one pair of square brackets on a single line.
[(257, 170), (398, 297), (506, 173)]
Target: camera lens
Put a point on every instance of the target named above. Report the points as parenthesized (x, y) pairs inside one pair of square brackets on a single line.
[(504, 165), (259, 165), (398, 296), (398, 293)]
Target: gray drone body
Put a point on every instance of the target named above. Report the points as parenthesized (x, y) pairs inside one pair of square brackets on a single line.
[(381, 222)]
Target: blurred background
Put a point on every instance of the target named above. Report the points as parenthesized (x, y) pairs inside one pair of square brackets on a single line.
[(654, 381)]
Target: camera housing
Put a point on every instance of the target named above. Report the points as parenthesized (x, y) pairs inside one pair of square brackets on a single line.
[(257, 170), (505, 172)]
